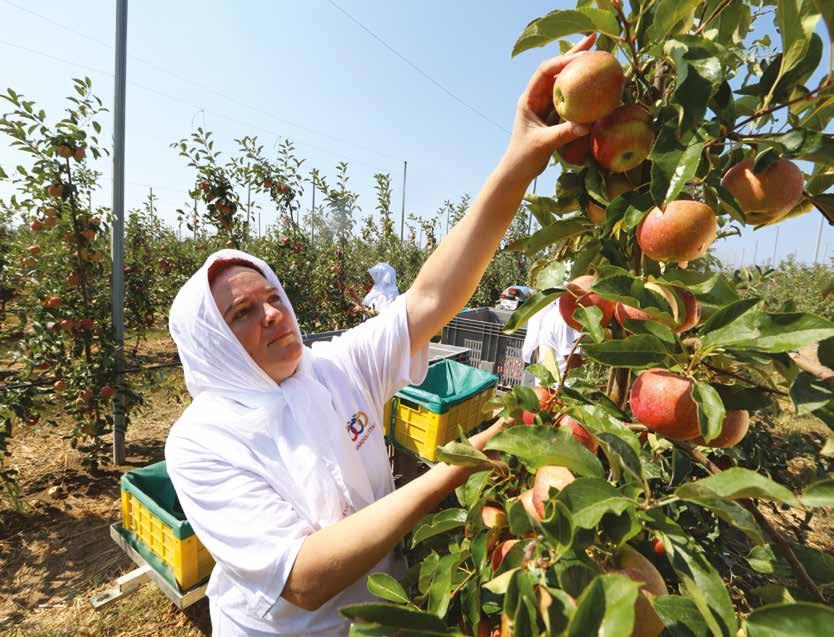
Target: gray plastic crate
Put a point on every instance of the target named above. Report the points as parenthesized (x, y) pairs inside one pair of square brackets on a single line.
[(437, 351), (479, 329)]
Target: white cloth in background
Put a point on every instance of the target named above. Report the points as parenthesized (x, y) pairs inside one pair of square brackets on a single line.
[(547, 328), (384, 291), (259, 466)]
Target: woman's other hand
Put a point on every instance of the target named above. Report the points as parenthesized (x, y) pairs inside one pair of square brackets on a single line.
[(533, 142)]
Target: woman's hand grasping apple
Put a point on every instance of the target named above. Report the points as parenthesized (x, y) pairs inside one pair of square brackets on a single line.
[(532, 141)]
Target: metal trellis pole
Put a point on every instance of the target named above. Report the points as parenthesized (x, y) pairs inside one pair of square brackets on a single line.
[(402, 211), (117, 237), (313, 214), (819, 236), (775, 243)]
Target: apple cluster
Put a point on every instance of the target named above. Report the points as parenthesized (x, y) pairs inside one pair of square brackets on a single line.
[(590, 91)]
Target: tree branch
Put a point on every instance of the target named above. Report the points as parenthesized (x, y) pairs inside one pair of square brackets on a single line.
[(718, 10), (772, 109), (774, 534), (730, 374)]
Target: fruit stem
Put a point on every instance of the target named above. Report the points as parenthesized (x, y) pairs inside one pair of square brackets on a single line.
[(564, 376), (750, 505), (659, 503)]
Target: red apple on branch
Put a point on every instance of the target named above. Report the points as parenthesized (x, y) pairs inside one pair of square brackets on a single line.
[(681, 232), (769, 195), (579, 294), (589, 87), (623, 138)]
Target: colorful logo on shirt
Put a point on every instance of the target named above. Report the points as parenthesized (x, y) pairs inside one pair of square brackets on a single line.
[(356, 425)]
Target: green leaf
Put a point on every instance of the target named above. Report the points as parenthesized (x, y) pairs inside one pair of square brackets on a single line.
[(781, 86), (789, 332), (732, 324), (640, 351), (710, 410), (681, 616), (588, 499), (384, 586), (653, 328), (809, 393), (826, 9), (531, 306), (700, 582), (471, 602), (590, 318), (498, 585), (825, 204), (819, 494), (674, 160), (671, 17), (818, 565), (801, 143), (558, 24), (796, 20), (527, 398), (764, 160), (606, 607), (738, 397), (541, 446), (791, 620), (558, 525), (461, 454), (733, 514), (617, 441), (548, 235), (541, 372), (699, 76), (393, 615), (630, 207), (474, 487), (736, 483), (440, 590), (552, 275), (518, 518), (437, 523), (618, 285)]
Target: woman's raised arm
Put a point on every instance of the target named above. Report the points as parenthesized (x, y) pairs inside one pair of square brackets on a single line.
[(449, 277)]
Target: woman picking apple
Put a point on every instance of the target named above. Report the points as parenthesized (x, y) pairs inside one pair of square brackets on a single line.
[(279, 462)]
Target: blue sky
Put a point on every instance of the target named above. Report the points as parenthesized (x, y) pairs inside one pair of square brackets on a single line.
[(306, 71)]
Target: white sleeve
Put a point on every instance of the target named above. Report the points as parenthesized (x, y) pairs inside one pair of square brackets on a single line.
[(379, 352), (247, 527)]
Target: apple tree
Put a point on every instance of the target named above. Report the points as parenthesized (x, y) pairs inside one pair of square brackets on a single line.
[(63, 355), (607, 508)]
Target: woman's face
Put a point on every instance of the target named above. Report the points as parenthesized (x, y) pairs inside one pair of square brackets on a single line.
[(253, 311)]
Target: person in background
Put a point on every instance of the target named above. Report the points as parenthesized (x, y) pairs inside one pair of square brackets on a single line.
[(384, 290), (551, 339)]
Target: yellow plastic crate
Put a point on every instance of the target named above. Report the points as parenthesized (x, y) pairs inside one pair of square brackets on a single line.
[(187, 558), (422, 431)]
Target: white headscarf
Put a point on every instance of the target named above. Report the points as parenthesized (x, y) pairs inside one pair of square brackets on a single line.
[(310, 442), (385, 288)]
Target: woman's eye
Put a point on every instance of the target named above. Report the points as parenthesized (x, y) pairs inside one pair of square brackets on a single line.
[(240, 313)]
